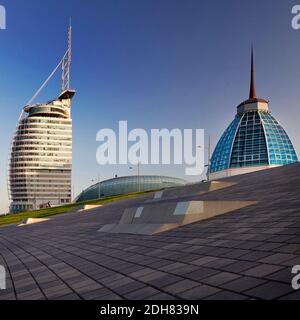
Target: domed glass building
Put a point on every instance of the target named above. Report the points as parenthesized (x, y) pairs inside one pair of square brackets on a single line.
[(126, 185), (253, 141)]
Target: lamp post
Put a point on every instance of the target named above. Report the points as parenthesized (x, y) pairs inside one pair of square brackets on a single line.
[(99, 186), (139, 180), (208, 148), (34, 201), (209, 158)]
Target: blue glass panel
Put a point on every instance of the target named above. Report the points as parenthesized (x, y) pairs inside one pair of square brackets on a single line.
[(280, 147), (221, 156), (250, 148)]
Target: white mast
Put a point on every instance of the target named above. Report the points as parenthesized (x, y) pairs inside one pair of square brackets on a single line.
[(66, 63), (66, 92)]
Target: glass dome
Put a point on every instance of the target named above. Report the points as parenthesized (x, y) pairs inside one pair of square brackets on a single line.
[(126, 185), (254, 140)]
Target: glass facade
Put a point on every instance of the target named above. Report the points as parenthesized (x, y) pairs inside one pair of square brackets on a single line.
[(254, 138), (281, 150), (249, 148), (221, 157), (126, 185)]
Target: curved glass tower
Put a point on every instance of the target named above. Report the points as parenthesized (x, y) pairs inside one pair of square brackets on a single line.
[(40, 164), (253, 141)]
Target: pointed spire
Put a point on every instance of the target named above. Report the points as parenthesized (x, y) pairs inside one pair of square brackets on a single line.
[(69, 52), (252, 94), (66, 62), (66, 91)]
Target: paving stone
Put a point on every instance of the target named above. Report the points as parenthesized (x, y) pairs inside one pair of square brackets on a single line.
[(130, 287), (284, 275), (172, 266), (119, 283), (255, 255), (153, 276), (161, 296), (30, 295), (27, 288), (198, 293), (164, 281), (111, 296), (236, 253), (270, 291), (291, 263), (240, 266), (220, 278), (96, 294), (269, 246), (204, 260), (227, 295), (242, 284), (141, 294), (55, 294), (289, 248), (278, 258), (220, 263), (141, 273), (181, 286), (68, 297), (201, 273), (262, 270), (295, 296)]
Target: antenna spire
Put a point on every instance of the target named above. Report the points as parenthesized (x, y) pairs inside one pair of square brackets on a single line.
[(66, 62), (252, 94)]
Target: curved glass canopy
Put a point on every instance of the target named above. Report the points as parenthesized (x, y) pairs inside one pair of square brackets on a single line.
[(126, 185)]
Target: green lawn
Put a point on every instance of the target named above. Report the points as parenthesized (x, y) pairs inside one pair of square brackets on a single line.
[(44, 213)]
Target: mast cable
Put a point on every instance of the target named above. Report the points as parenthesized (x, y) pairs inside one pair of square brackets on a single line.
[(47, 80)]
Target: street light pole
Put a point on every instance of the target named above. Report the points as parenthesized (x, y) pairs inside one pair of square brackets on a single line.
[(99, 188), (139, 182), (209, 158), (34, 201), (138, 176), (208, 148)]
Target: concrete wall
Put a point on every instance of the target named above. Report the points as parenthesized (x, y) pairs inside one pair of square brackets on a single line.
[(237, 171)]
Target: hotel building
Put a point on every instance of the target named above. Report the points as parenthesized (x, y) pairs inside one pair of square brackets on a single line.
[(40, 164)]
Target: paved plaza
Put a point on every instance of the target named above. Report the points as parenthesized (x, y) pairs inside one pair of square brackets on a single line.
[(245, 254)]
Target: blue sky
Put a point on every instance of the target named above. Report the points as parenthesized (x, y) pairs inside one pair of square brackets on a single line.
[(156, 63)]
